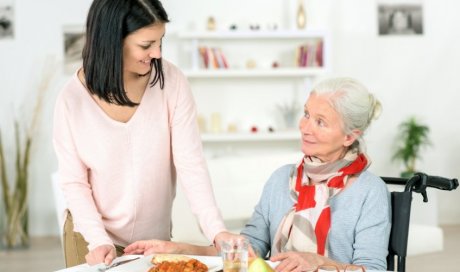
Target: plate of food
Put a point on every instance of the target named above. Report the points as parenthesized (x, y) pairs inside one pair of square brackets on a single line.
[(172, 262)]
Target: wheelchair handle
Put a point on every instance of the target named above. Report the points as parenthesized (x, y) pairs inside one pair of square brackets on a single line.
[(422, 179), (441, 183)]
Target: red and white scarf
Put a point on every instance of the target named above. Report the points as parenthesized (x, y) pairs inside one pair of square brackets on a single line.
[(306, 226)]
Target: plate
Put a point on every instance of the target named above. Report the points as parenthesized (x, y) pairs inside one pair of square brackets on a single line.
[(272, 264), (143, 264)]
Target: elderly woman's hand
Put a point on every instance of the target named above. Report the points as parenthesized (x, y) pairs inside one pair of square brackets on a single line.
[(148, 247), (297, 261)]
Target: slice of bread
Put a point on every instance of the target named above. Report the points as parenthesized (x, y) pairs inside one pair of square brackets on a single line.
[(174, 258)]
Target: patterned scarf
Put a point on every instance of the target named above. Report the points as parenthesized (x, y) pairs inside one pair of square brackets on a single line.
[(306, 225)]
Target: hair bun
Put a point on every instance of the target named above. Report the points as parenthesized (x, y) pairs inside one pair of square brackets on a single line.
[(376, 109)]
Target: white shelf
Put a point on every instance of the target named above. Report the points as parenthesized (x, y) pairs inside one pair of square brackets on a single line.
[(259, 34), (275, 72), (250, 137)]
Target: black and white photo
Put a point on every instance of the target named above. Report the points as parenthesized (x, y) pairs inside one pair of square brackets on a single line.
[(6, 20), (400, 19), (74, 40)]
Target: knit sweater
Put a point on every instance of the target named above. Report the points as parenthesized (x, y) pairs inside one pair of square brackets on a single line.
[(119, 179), (360, 219)]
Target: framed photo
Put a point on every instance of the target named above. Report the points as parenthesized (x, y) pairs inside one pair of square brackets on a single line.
[(6, 19), (74, 41), (400, 19)]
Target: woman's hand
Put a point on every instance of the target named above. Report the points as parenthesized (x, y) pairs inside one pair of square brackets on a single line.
[(101, 254), (228, 236), (297, 261), (148, 247)]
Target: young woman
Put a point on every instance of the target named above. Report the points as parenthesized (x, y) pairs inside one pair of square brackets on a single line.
[(124, 130)]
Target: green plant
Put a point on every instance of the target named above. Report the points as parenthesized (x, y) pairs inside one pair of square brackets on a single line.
[(411, 138)]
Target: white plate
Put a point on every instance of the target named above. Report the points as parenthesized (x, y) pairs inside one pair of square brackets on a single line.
[(272, 264), (144, 264)]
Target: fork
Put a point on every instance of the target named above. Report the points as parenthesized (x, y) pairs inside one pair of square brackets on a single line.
[(103, 269)]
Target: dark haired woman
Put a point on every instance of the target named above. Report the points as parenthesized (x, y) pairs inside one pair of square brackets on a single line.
[(124, 129)]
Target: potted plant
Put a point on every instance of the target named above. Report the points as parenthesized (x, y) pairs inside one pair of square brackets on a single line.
[(14, 193), (411, 138), (16, 233), (289, 112)]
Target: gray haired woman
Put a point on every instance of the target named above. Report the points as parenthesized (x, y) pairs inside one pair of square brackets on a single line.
[(328, 209)]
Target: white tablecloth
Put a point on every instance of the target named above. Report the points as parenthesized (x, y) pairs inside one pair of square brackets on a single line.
[(143, 264)]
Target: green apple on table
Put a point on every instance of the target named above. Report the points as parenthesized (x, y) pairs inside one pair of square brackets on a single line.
[(259, 265)]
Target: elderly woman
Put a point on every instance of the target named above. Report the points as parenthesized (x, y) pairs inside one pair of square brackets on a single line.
[(328, 209)]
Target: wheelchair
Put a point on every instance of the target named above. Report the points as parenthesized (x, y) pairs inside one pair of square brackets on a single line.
[(401, 207)]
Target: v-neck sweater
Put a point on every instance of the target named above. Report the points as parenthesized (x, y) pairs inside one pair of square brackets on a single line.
[(119, 179)]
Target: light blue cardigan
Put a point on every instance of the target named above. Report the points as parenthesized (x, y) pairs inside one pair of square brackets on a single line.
[(360, 220)]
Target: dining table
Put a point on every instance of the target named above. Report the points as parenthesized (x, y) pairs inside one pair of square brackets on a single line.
[(141, 263)]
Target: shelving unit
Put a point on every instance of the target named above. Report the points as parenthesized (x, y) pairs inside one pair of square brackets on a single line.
[(248, 96), (250, 137), (253, 73), (197, 39), (255, 34)]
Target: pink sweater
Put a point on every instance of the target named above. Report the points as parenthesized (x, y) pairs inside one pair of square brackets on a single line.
[(119, 179)]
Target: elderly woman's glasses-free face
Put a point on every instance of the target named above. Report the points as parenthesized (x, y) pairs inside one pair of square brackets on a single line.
[(333, 268)]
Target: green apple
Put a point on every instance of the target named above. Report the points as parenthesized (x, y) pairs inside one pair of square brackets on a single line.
[(259, 265)]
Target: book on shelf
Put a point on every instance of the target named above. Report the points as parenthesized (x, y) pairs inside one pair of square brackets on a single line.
[(212, 58), (310, 55)]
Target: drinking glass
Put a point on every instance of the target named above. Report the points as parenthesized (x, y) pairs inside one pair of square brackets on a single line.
[(348, 268), (235, 255), (326, 268), (354, 268)]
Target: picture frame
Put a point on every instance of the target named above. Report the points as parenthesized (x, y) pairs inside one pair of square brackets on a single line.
[(7, 23), (400, 18), (74, 41)]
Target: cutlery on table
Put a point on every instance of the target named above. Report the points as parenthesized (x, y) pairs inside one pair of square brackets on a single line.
[(115, 264)]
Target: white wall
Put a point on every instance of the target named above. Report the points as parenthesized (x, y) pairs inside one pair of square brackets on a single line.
[(411, 75)]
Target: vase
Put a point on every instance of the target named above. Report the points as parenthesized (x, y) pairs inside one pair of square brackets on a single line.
[(301, 17), (15, 234)]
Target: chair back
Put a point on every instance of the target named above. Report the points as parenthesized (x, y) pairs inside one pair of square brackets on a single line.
[(400, 209), (60, 203), (400, 217)]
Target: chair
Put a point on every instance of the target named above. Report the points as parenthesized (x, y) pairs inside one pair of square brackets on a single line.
[(401, 207), (60, 204)]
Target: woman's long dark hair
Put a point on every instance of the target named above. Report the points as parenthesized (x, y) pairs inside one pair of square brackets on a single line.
[(108, 24)]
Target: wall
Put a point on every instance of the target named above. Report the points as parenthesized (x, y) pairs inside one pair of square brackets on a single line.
[(411, 75)]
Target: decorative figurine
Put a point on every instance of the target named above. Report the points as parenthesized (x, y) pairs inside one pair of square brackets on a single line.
[(201, 123), (272, 27), (254, 27), (211, 25), (301, 17), (232, 127), (216, 122), (251, 64)]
